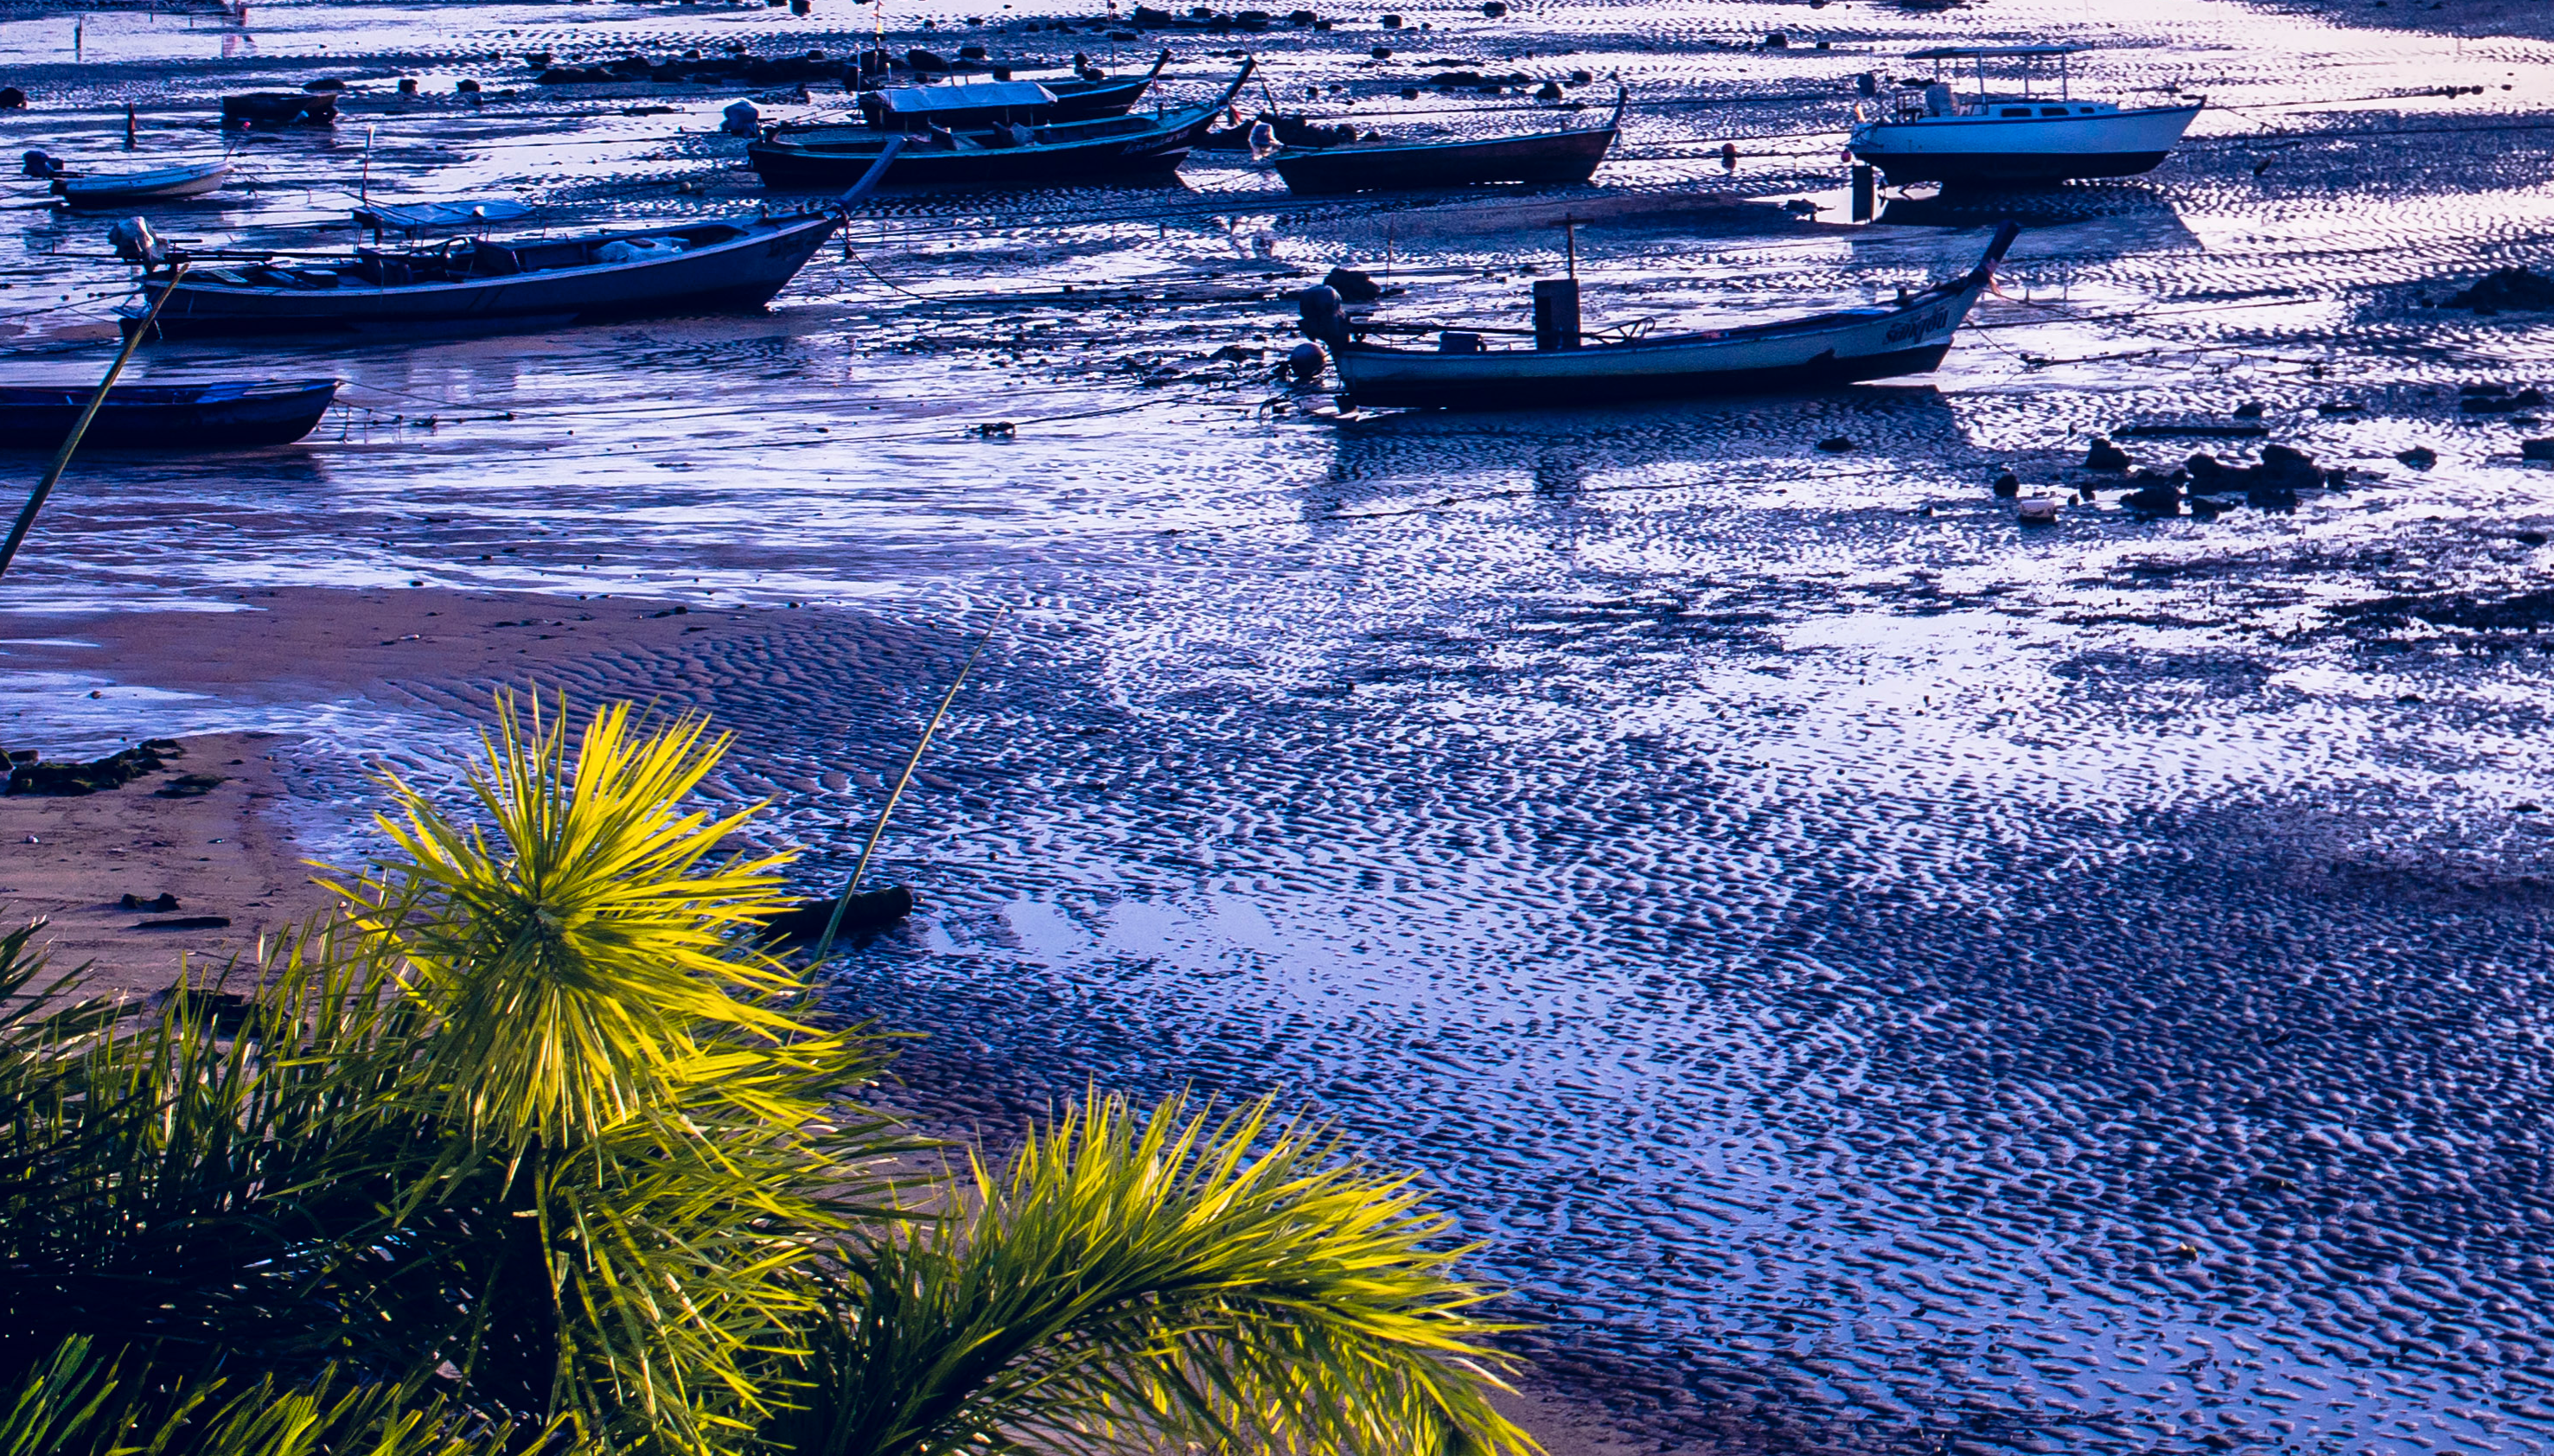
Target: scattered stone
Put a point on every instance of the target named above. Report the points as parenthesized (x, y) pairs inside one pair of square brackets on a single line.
[(2007, 485), (2157, 496), (191, 785), (1493, 9), (1547, 91), (2536, 449), (1353, 286), (2506, 287), (2249, 409), (2420, 457), (161, 903), (865, 913), (2105, 456), (1836, 444), (324, 83), (12, 99), (2530, 538), (111, 772), (2209, 507), (186, 923), (1777, 40), (1392, 22)]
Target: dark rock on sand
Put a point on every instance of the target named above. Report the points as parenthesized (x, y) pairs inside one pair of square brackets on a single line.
[(1353, 286), (2007, 485), (12, 99), (186, 923), (111, 772), (161, 903), (2106, 456), (2157, 495), (870, 911), (2506, 287), (1836, 444), (2420, 457), (2536, 449), (191, 785)]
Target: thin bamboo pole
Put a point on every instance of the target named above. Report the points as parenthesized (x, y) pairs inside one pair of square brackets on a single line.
[(835, 921)]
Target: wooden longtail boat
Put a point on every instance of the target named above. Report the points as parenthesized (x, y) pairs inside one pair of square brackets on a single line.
[(191, 417), (514, 286), (1909, 336), (159, 185), (792, 159), (1542, 157), (474, 282)]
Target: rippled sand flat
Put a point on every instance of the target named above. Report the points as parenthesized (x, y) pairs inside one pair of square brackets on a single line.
[(1876, 978)]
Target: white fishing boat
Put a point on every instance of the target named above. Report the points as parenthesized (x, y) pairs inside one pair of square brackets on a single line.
[(159, 185), (1935, 136)]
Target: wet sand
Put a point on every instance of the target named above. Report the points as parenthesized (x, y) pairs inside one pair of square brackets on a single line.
[(1878, 977)]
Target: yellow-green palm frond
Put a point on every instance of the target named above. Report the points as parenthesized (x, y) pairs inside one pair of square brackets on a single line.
[(582, 947), (1126, 1285), (74, 1401)]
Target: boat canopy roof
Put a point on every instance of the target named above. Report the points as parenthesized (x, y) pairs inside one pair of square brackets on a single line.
[(1989, 52), (963, 96), (418, 216)]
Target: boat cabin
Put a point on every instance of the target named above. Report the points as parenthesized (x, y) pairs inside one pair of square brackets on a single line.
[(1938, 101)]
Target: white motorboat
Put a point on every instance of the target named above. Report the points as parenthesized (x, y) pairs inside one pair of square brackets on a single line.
[(1934, 135), (123, 189)]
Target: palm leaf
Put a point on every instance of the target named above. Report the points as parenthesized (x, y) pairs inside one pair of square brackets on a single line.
[(575, 963), (1120, 1286)]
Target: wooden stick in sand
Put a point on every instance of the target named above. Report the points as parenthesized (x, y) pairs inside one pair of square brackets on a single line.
[(825, 942), (62, 459)]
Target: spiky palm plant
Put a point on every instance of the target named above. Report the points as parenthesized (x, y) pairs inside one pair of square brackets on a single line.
[(1132, 1284), (542, 1142)]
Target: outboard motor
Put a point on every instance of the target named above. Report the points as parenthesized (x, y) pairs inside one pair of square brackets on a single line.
[(743, 119), (1321, 316), (134, 242), (40, 164)]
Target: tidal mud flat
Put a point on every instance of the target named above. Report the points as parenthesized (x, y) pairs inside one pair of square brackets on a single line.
[(1879, 978)]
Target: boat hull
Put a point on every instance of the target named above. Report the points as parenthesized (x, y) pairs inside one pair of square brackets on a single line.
[(1546, 159), (1985, 150), (787, 167), (745, 272), (168, 417), (1865, 344)]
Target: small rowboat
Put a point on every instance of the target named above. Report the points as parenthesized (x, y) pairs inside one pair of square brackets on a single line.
[(192, 417), (126, 189), (1545, 157), (812, 158), (1909, 336)]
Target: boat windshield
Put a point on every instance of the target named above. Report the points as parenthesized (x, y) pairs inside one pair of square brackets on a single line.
[(2030, 62)]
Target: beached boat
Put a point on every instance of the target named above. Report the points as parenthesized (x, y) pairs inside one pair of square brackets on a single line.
[(474, 282), (132, 188), (188, 418), (1540, 157), (1908, 336), (1004, 100), (1934, 137), (478, 284), (796, 159)]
